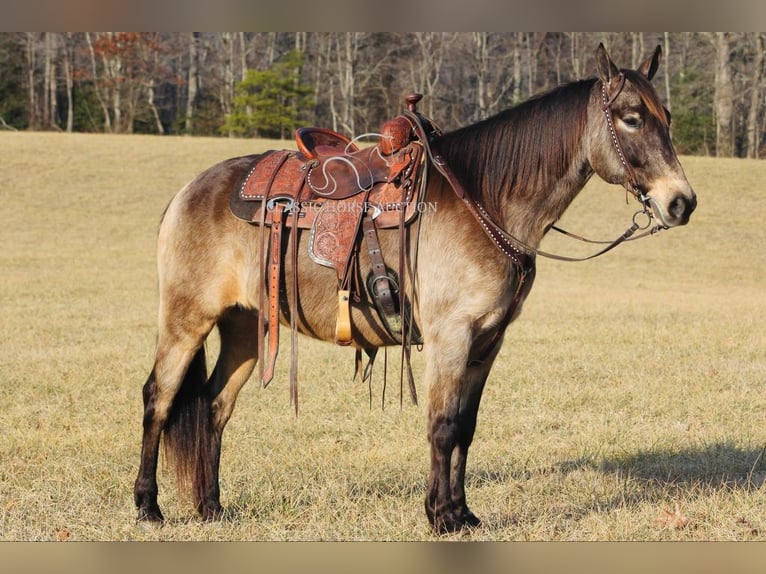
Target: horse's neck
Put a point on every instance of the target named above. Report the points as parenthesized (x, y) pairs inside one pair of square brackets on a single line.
[(528, 217), (527, 164)]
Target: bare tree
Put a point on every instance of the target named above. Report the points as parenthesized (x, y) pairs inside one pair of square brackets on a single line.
[(98, 86), (346, 49), (576, 53), (151, 55), (226, 93), (30, 51), (192, 82), (426, 69), (497, 64), (516, 48), (637, 48), (756, 95), (124, 71), (724, 95), (68, 64), (50, 85)]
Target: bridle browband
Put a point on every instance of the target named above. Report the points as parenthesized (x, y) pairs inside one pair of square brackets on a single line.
[(513, 247)]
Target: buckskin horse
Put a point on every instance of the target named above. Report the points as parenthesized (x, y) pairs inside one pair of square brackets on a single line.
[(499, 186)]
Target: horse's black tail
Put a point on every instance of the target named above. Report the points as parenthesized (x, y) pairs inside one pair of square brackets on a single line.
[(189, 436)]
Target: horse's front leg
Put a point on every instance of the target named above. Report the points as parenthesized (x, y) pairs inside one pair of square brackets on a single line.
[(455, 379)]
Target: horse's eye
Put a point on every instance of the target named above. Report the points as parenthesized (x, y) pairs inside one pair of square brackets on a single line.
[(633, 122)]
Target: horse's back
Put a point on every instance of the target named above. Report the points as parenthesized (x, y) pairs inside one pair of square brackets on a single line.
[(206, 197)]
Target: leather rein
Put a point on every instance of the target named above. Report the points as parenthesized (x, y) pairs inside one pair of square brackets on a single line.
[(516, 249)]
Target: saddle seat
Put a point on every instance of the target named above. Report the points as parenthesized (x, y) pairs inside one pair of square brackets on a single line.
[(308, 139), (341, 169)]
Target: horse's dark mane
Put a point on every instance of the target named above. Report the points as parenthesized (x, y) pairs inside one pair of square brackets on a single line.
[(522, 150)]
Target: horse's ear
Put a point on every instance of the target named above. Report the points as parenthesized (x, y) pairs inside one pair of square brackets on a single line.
[(606, 68), (649, 66)]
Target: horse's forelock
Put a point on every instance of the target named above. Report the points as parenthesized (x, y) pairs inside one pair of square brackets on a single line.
[(648, 95)]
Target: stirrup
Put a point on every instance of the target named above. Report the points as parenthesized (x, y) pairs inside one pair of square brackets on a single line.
[(395, 323)]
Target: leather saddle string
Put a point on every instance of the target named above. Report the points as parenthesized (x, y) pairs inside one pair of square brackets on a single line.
[(262, 272), (262, 248), (294, 304), (274, 273), (405, 320)]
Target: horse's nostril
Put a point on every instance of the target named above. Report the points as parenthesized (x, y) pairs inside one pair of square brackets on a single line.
[(681, 208), (677, 207)]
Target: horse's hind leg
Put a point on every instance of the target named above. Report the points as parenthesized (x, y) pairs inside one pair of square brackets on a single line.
[(178, 362), (237, 359)]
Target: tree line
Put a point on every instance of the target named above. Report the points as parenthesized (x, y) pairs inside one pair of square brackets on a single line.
[(265, 84)]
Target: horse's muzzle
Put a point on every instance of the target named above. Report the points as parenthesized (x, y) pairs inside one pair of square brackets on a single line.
[(677, 211)]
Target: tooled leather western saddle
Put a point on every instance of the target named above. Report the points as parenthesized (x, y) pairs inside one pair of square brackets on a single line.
[(332, 188)]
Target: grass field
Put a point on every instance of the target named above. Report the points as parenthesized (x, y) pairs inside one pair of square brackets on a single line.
[(628, 401)]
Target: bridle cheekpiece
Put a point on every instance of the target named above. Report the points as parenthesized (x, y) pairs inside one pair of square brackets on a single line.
[(631, 184)]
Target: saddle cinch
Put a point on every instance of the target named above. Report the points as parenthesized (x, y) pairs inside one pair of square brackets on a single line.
[(333, 188)]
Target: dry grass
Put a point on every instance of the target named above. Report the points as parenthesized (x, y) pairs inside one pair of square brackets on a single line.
[(627, 403)]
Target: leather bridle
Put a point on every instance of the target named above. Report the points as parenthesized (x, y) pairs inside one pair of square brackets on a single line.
[(631, 184), (513, 247)]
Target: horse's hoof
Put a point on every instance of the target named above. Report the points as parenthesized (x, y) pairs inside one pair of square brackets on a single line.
[(150, 517), (451, 523), (470, 520), (447, 526), (210, 510)]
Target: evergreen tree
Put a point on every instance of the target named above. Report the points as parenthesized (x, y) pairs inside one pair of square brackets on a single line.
[(271, 103), (13, 110), (693, 125)]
